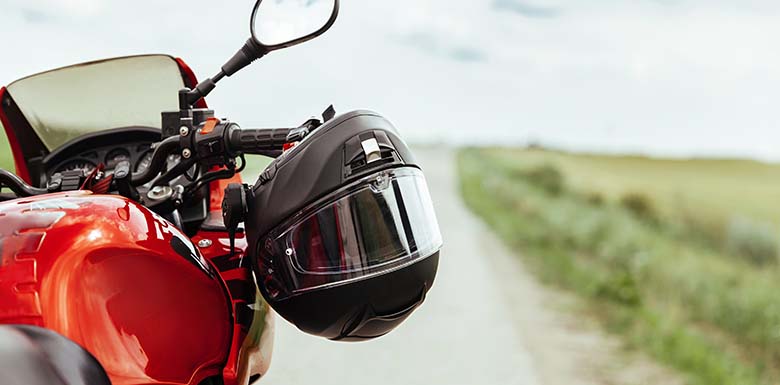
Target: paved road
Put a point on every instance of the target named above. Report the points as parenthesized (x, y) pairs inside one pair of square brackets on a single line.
[(465, 333)]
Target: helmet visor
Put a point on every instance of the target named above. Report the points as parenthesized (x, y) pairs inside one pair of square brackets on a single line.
[(378, 224)]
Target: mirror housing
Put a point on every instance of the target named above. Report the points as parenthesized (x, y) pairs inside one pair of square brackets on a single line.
[(307, 31), (252, 50)]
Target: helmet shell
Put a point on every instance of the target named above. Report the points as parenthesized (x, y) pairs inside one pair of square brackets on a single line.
[(330, 158)]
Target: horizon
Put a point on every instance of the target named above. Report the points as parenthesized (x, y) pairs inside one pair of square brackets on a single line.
[(668, 78)]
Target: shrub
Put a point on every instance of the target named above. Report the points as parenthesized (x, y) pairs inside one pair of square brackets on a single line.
[(547, 177), (641, 206), (595, 199), (756, 242), (620, 287)]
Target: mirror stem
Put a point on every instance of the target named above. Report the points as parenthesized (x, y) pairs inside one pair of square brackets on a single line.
[(250, 52), (203, 88)]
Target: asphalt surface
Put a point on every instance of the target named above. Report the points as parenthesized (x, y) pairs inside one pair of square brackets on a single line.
[(465, 333)]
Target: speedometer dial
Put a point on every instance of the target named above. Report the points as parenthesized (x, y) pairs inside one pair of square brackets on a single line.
[(115, 156), (77, 164), (144, 162)]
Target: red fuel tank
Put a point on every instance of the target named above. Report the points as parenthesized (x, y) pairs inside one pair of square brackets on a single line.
[(117, 279)]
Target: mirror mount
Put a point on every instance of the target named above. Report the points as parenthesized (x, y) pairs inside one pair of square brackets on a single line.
[(245, 56), (252, 50)]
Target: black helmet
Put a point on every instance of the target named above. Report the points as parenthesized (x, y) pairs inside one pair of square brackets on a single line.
[(342, 232)]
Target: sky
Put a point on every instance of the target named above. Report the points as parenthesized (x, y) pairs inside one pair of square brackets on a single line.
[(658, 77)]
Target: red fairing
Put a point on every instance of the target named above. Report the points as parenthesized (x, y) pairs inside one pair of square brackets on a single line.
[(191, 80), (118, 280)]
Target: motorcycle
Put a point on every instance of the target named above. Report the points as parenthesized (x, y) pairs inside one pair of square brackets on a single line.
[(133, 253)]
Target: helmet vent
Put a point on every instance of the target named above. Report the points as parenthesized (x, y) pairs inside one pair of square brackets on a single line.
[(367, 151)]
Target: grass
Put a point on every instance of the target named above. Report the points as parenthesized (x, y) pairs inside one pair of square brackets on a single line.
[(6, 159), (707, 195), (619, 243)]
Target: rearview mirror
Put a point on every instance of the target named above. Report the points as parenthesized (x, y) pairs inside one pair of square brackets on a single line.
[(280, 24), (275, 24)]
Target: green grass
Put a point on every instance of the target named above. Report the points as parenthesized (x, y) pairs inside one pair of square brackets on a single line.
[(706, 194), (6, 159), (711, 315)]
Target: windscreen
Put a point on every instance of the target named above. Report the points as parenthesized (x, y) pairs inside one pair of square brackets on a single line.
[(66, 103)]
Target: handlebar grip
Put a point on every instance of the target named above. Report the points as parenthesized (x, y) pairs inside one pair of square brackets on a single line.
[(258, 141)]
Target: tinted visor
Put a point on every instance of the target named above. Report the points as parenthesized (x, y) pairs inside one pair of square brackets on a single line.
[(378, 224)]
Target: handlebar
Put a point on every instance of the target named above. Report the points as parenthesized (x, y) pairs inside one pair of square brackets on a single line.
[(234, 143), (159, 158), (18, 186)]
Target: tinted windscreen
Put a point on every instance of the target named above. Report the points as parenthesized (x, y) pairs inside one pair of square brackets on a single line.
[(66, 103)]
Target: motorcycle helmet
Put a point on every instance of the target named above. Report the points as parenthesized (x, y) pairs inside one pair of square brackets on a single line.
[(342, 232)]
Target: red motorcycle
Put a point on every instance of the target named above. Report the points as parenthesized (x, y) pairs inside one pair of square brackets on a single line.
[(132, 252)]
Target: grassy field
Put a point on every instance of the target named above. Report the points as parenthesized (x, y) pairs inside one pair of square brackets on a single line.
[(679, 257), (707, 193), (6, 160)]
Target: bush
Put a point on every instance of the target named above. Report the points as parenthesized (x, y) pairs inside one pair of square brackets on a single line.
[(595, 199), (641, 206), (620, 287), (547, 177), (756, 242)]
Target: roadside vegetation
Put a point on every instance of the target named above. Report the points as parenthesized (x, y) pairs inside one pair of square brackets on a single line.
[(678, 257), (6, 159)]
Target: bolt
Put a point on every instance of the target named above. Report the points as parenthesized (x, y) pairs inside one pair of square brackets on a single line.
[(289, 252), (204, 243), (184, 131), (186, 153)]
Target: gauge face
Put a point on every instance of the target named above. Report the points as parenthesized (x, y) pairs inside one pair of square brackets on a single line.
[(115, 156), (77, 165), (144, 162)]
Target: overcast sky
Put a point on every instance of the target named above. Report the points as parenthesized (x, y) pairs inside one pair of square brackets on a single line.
[(671, 77)]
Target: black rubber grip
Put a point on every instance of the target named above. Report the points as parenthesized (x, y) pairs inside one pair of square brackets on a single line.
[(258, 141)]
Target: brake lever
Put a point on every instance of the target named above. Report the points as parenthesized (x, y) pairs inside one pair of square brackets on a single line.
[(300, 133)]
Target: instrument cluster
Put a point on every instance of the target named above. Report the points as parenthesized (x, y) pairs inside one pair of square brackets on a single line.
[(138, 154)]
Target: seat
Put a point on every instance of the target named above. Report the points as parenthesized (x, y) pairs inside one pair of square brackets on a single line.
[(31, 355)]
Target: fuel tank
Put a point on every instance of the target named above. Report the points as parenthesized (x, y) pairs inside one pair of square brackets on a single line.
[(118, 280)]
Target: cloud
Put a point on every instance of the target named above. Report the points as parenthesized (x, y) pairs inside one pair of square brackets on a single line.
[(467, 54), (34, 16), (49, 11), (432, 44), (525, 9)]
